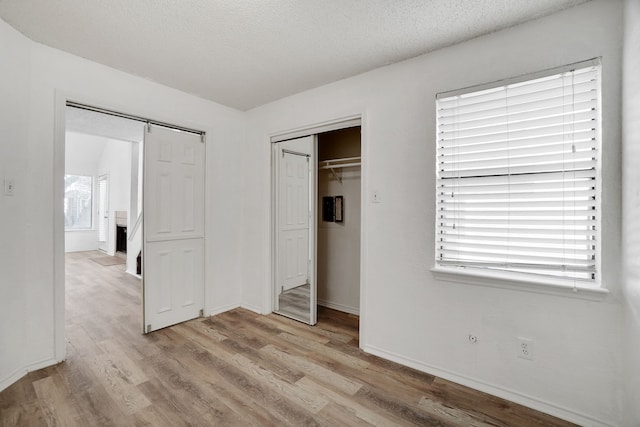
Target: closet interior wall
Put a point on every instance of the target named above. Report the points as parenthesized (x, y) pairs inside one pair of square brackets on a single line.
[(339, 242)]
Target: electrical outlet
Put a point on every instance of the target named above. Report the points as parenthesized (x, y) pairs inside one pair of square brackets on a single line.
[(525, 348), (9, 187)]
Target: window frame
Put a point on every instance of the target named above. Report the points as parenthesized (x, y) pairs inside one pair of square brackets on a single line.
[(518, 280), (92, 217)]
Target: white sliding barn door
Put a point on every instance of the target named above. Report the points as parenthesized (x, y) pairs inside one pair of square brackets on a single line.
[(173, 227)]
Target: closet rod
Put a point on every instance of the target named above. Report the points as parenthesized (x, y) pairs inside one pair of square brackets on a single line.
[(344, 165), (340, 163), (345, 159), (295, 153)]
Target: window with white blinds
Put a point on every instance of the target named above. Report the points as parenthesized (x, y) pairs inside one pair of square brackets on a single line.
[(517, 177)]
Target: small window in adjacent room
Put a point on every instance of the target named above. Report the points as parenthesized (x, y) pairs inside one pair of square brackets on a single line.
[(518, 178), (78, 196)]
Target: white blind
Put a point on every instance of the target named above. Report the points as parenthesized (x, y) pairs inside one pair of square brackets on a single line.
[(516, 177)]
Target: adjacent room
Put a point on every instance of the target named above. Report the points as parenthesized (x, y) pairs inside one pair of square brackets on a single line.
[(102, 158), (320, 213)]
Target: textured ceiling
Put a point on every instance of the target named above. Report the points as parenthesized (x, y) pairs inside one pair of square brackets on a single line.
[(245, 53)]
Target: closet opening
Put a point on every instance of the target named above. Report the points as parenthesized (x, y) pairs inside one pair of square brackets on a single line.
[(338, 242), (317, 190)]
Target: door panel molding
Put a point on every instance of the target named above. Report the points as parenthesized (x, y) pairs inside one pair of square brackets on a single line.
[(294, 230), (173, 227)]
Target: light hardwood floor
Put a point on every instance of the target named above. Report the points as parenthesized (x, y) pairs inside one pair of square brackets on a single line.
[(234, 369)]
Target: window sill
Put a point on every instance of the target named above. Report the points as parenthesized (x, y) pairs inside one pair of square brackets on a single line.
[(481, 278)]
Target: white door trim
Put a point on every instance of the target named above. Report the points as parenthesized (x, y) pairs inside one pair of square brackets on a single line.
[(341, 123), (61, 99), (358, 119), (103, 245)]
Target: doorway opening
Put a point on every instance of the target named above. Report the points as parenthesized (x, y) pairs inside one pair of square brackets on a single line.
[(338, 246), (317, 190), (102, 281), (110, 160), (106, 149)]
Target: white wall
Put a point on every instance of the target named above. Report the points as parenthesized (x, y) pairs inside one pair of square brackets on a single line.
[(15, 262), (406, 314), (82, 157), (631, 213), (32, 75), (339, 242), (115, 162)]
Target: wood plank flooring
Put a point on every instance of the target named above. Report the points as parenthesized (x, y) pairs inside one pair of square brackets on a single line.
[(234, 369)]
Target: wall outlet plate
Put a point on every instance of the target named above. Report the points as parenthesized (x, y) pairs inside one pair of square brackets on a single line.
[(9, 187), (525, 348)]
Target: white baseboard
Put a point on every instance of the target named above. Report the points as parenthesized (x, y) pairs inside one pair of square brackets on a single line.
[(12, 378), (222, 309), (340, 307), (136, 275), (21, 372), (256, 310), (42, 364), (504, 393)]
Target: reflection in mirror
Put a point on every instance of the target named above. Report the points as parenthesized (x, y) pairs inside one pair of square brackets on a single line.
[(296, 303), (295, 201)]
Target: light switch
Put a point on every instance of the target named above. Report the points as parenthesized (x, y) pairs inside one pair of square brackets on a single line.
[(9, 187), (375, 196)]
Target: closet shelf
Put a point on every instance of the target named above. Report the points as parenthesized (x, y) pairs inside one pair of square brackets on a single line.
[(334, 164), (340, 163)]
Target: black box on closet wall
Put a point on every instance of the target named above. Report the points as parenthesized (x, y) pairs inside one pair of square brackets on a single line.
[(328, 209)]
